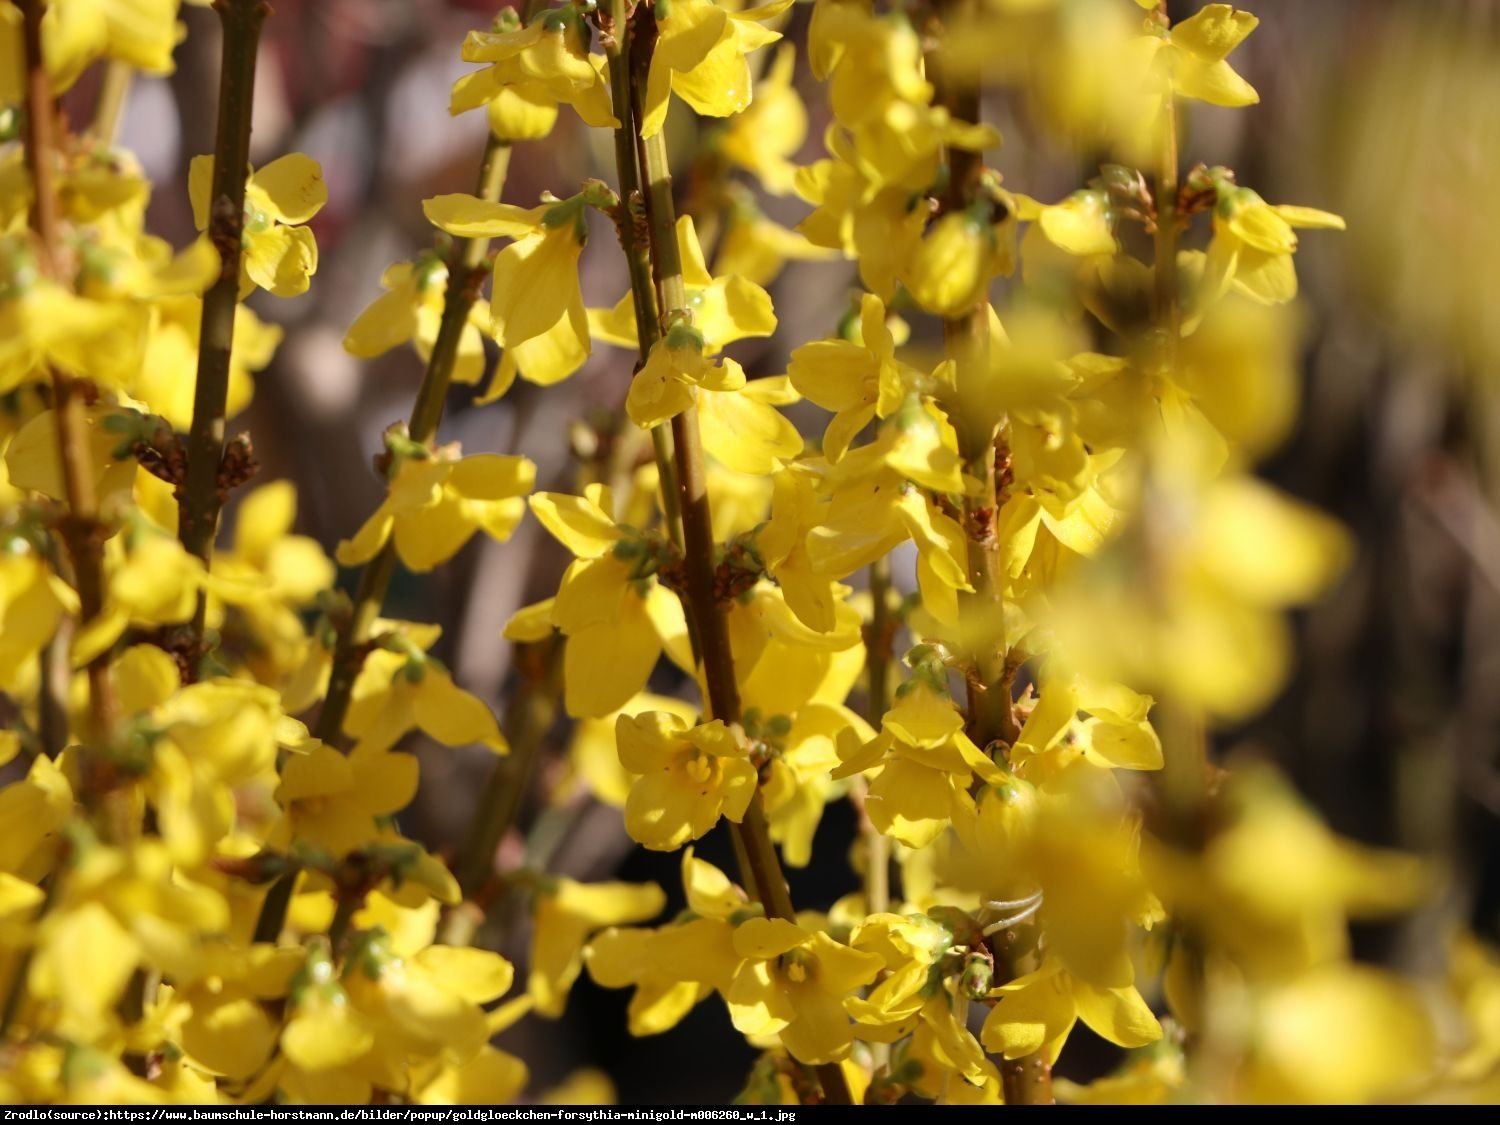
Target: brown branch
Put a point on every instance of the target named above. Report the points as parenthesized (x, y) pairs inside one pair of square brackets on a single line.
[(203, 493)]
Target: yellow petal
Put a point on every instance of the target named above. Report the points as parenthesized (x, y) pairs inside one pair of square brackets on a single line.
[(293, 186), (1118, 1014), (766, 938), (477, 974), (470, 217), (578, 523), (325, 1036)]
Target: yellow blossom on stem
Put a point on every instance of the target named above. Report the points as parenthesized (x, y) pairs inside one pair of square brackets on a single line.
[(410, 312), (690, 777), (438, 501), (281, 254)]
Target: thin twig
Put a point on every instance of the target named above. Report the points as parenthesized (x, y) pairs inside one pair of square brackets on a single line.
[(202, 493), (80, 529), (761, 867)]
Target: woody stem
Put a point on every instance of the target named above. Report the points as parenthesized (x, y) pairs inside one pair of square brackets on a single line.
[(532, 707), (990, 709), (637, 252), (203, 493), (1179, 726), (465, 276), (877, 669), (760, 865), (80, 529)]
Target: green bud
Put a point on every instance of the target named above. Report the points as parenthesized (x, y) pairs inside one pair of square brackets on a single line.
[(977, 976)]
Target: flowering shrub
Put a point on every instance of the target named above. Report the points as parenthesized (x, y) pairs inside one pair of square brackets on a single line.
[(204, 894)]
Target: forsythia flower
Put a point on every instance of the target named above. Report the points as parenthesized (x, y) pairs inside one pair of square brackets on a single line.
[(793, 982), (532, 70), (436, 503), (690, 777), (206, 895), (536, 305), (1192, 56), (411, 311), (616, 624), (1253, 243), (700, 56), (568, 913), (281, 254)]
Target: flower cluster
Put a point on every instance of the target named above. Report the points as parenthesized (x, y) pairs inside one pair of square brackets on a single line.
[(1033, 483)]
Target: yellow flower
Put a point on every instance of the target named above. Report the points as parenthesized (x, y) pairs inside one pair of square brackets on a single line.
[(1034, 1014), (568, 913), (926, 764), (910, 947), (169, 369), (1208, 631), (951, 270), (333, 801), (743, 430), (217, 745), (1193, 56), (793, 982), (756, 249), (858, 381), (536, 305), (1340, 1035), (410, 312), (592, 757), (616, 623), (32, 602), (400, 687), (799, 786), (690, 777), (281, 254), (877, 500), (724, 308), (153, 582), (436, 503), (1063, 853), (700, 56), (1151, 1075), (1253, 244), (142, 33), (879, 62), (43, 323), (1116, 733), (532, 70), (664, 386), (673, 967), (1276, 926)]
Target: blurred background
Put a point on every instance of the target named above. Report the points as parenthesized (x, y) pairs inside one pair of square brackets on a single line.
[(1381, 110)]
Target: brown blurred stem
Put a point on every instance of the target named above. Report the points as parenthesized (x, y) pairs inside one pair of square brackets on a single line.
[(991, 713), (532, 708), (203, 493), (80, 529), (1180, 726), (465, 276), (760, 865), (878, 671)]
